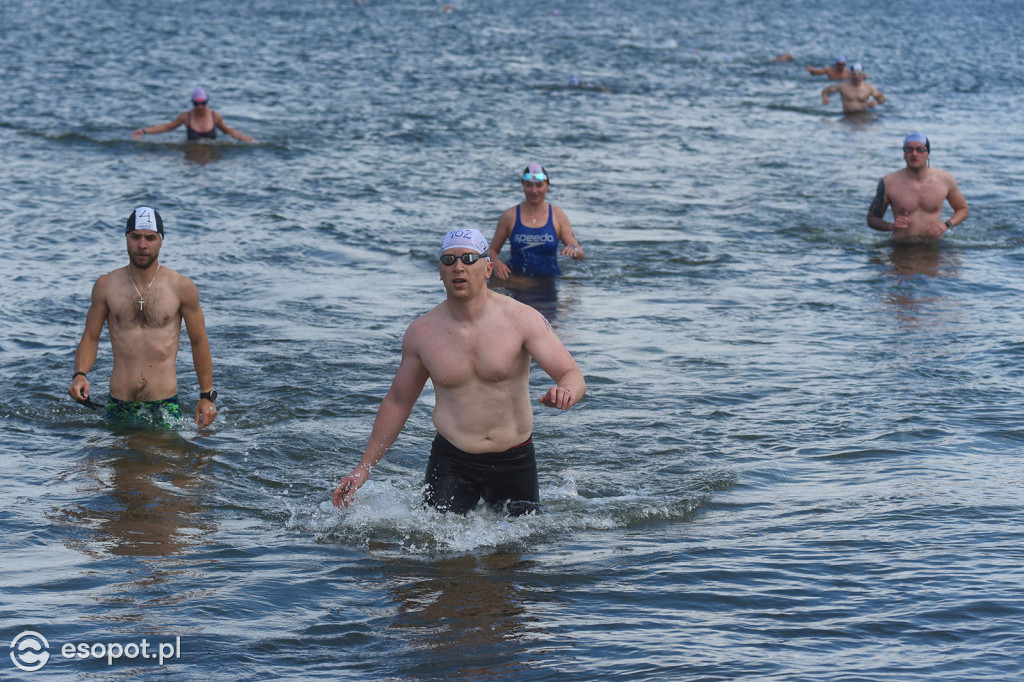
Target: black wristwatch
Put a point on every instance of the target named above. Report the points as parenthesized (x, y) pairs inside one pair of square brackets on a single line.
[(949, 225), (209, 395)]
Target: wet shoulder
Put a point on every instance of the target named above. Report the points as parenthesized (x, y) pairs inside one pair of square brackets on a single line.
[(514, 313)]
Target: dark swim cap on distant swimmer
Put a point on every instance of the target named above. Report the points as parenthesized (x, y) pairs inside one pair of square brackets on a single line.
[(145, 218)]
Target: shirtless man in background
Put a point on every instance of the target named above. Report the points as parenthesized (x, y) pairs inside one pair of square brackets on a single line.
[(857, 94), (916, 195), (835, 72)]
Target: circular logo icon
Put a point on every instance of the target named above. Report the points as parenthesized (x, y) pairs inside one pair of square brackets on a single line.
[(29, 651)]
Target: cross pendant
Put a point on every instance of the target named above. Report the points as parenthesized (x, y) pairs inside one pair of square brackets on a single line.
[(140, 303)]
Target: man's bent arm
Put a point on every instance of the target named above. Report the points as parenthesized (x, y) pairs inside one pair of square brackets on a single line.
[(879, 205), (551, 355), (567, 391), (959, 205)]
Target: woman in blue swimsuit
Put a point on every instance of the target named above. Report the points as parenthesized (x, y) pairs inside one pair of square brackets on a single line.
[(200, 122), (534, 229)]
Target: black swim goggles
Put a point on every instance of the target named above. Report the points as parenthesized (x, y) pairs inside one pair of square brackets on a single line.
[(466, 258)]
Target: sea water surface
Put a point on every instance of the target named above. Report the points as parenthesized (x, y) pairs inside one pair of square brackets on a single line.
[(800, 456)]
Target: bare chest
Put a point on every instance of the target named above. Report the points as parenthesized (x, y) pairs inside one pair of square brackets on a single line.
[(856, 93), (926, 195), (458, 357), (151, 309)]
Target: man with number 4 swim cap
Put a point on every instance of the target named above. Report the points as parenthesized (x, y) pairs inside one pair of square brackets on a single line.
[(475, 347), (143, 305), (916, 195)]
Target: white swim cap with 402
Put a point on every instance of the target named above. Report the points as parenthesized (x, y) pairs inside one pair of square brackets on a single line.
[(467, 238)]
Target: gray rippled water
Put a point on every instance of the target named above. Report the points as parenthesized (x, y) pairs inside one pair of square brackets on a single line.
[(800, 455)]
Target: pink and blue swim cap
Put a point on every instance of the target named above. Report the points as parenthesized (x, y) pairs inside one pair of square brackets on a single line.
[(535, 173)]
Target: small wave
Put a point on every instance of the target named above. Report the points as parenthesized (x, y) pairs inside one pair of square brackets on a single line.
[(391, 518)]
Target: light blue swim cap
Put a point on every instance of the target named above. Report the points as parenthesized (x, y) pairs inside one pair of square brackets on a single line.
[(840, 59), (918, 137), (574, 81)]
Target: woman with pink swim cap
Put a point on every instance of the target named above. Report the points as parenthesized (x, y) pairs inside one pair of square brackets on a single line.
[(534, 228), (200, 122)]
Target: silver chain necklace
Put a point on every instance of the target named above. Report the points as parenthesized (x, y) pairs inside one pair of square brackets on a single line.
[(142, 301)]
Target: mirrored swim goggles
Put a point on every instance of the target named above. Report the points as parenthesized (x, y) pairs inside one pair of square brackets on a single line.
[(466, 258), (535, 177)]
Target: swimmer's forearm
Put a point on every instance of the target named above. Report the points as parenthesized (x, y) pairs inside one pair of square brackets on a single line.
[(158, 128), (880, 224), (388, 424), (574, 382), (85, 355), (959, 216)]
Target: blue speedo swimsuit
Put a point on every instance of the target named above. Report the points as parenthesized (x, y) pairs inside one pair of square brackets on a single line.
[(535, 249)]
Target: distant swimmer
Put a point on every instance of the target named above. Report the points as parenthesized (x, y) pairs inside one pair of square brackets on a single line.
[(200, 122), (143, 306), (835, 72), (475, 347), (858, 95), (534, 228), (575, 82), (916, 195)]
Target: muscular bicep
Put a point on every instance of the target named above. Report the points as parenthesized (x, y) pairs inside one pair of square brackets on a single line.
[(879, 204), (191, 311), (546, 349), (99, 309), (410, 378), (94, 319), (956, 198)]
